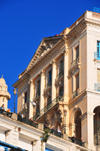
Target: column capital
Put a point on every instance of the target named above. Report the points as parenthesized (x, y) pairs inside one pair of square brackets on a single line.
[(53, 62), (42, 72), (31, 81)]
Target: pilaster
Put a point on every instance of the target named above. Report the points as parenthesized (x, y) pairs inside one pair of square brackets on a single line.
[(31, 98), (65, 75), (42, 90), (87, 128), (53, 80)]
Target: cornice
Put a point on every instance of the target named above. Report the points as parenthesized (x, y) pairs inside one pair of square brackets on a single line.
[(46, 54), (26, 75)]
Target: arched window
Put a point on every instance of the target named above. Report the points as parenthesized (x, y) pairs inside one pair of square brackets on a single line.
[(77, 121), (97, 126)]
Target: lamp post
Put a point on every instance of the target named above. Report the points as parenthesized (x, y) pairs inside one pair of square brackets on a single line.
[(15, 91)]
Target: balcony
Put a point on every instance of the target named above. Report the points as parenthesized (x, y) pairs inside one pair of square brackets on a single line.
[(27, 121), (75, 93), (36, 96), (97, 87), (47, 86), (48, 106), (74, 63), (61, 74), (23, 108), (74, 140), (53, 132), (3, 112), (96, 56)]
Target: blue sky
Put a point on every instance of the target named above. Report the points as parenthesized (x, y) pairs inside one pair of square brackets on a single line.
[(23, 24)]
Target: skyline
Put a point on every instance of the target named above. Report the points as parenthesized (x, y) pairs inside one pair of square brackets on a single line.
[(24, 24)]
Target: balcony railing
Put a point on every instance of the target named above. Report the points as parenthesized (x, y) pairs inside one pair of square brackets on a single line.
[(97, 86), (73, 64), (60, 74), (48, 85), (36, 95), (47, 107), (53, 132), (96, 56), (27, 121), (74, 140), (23, 107), (9, 114), (75, 93)]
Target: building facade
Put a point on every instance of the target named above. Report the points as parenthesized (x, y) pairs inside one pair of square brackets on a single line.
[(63, 79)]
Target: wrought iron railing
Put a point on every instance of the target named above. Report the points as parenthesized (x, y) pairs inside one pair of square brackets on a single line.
[(75, 93), (97, 86), (9, 114), (61, 73), (27, 121), (47, 107), (96, 56), (74, 140), (74, 62), (36, 95), (23, 107), (53, 132), (48, 85)]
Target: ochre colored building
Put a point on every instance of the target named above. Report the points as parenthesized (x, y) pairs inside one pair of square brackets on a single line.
[(63, 81)]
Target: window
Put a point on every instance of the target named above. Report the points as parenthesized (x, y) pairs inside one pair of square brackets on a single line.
[(77, 81), (25, 97), (50, 76), (61, 91), (38, 86), (62, 65), (77, 51), (98, 50)]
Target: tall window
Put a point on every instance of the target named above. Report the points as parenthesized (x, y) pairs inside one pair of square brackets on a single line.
[(25, 97), (62, 65), (98, 50), (61, 91), (50, 76), (77, 81), (38, 86), (77, 52)]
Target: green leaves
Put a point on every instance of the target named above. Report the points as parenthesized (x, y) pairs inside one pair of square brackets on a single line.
[(45, 135)]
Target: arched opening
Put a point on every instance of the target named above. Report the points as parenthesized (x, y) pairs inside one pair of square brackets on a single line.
[(97, 126), (77, 121)]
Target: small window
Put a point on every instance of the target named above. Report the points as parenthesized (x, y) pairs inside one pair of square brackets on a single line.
[(77, 51), (38, 86), (77, 81), (62, 65), (98, 50), (25, 97), (50, 76)]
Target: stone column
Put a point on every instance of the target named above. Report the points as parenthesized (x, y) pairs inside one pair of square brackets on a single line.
[(87, 129), (65, 75), (53, 80), (31, 99), (42, 90), (73, 129)]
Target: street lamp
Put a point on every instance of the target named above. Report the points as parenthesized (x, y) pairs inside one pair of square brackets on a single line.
[(15, 91)]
